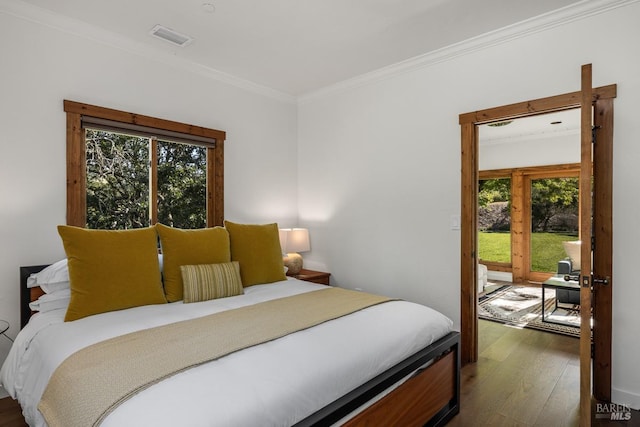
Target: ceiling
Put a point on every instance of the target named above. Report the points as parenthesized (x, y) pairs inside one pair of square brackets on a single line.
[(542, 126), (300, 46)]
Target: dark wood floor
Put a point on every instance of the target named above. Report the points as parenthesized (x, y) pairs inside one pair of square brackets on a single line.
[(11, 414), (523, 378)]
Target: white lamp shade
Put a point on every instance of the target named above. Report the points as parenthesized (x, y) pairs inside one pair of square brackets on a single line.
[(294, 240)]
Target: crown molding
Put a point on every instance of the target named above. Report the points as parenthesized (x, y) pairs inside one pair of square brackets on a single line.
[(37, 15), (567, 14)]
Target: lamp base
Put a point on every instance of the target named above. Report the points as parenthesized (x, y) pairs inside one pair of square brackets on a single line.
[(293, 262)]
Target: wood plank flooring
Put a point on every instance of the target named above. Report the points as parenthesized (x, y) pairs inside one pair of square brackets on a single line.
[(11, 414), (523, 378)]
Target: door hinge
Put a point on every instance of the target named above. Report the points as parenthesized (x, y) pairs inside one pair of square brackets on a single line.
[(593, 242), (593, 133)]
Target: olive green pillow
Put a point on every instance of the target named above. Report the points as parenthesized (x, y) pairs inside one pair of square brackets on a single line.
[(111, 269), (189, 247), (257, 249), (203, 282)]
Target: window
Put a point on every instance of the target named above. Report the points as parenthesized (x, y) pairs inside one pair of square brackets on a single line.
[(524, 215), (134, 182), (494, 221), (182, 185), (554, 218), (125, 170)]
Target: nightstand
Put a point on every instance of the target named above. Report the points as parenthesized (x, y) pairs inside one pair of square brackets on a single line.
[(319, 277)]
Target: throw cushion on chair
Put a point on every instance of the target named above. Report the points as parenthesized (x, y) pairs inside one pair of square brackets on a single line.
[(482, 277)]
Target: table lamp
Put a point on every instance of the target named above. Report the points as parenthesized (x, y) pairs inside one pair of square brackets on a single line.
[(292, 241)]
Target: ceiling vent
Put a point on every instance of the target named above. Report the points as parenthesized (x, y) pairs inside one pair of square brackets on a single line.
[(171, 36)]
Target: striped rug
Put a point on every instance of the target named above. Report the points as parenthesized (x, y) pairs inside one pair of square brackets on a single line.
[(521, 306)]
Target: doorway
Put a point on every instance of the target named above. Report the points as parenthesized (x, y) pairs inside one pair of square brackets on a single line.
[(602, 169)]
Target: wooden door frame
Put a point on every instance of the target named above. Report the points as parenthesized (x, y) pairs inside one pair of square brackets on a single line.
[(603, 102)]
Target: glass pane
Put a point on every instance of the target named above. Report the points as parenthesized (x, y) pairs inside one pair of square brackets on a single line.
[(117, 180), (494, 220), (554, 219), (182, 185)]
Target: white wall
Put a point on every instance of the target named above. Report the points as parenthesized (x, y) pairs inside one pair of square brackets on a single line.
[(41, 66), (379, 166)]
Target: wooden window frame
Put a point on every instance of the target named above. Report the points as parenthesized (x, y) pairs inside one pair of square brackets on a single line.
[(76, 158)]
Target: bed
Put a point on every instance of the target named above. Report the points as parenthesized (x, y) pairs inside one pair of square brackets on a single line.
[(393, 362)]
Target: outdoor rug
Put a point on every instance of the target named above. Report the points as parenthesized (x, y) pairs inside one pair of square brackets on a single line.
[(521, 306)]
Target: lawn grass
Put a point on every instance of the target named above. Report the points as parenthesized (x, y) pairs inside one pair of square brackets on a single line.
[(546, 248), (494, 246)]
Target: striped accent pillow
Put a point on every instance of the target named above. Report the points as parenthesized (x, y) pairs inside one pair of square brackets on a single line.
[(203, 282)]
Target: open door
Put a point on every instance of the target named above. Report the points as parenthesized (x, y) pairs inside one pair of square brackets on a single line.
[(596, 187), (596, 227), (586, 227)]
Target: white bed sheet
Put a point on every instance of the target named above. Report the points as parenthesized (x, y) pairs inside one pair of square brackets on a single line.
[(274, 384)]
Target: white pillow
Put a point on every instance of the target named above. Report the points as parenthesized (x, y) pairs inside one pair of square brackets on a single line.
[(52, 301), (52, 278), (53, 287), (573, 251)]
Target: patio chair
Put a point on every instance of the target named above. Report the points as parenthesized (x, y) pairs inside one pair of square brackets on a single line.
[(569, 266)]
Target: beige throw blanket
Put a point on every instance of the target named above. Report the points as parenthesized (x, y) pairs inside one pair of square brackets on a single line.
[(92, 382)]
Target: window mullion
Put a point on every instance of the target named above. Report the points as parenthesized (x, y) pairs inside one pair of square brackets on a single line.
[(153, 181)]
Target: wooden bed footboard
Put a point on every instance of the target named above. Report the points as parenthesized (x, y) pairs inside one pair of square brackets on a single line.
[(431, 397)]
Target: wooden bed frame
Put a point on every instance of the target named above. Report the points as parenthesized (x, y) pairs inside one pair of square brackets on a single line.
[(430, 397)]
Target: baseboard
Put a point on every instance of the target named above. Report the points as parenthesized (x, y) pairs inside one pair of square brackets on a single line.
[(627, 398), (503, 276)]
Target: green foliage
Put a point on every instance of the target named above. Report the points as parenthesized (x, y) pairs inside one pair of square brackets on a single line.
[(118, 182), (494, 190), (551, 197), (182, 179)]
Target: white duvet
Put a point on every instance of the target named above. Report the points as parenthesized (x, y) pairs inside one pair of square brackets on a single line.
[(274, 384)]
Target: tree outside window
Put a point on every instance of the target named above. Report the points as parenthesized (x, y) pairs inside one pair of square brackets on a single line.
[(120, 182)]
